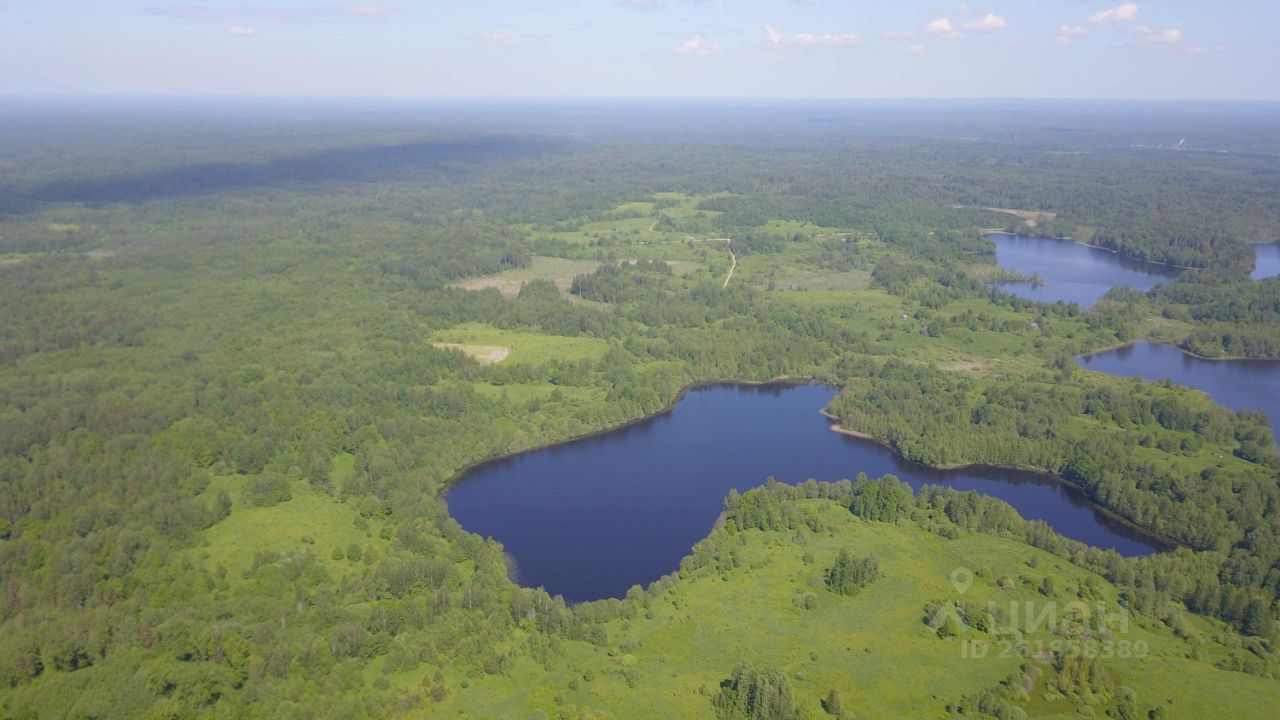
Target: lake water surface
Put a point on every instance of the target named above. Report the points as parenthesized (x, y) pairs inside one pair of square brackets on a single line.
[(590, 518), (1268, 261), (1072, 272), (1237, 384)]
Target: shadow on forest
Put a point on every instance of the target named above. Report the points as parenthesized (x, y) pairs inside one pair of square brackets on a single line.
[(326, 165)]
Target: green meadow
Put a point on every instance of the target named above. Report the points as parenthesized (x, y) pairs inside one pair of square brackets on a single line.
[(526, 347), (877, 648)]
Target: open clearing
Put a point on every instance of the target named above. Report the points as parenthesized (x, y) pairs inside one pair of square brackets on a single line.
[(962, 366), (808, 280), (1033, 217), (669, 218), (310, 523), (558, 270), (486, 354), (518, 346)]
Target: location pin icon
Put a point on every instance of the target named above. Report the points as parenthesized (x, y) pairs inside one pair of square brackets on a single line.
[(961, 579)]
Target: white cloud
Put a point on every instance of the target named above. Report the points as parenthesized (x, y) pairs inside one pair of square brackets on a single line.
[(694, 46), (1127, 12), (1066, 32), (240, 31), (1169, 36), (986, 23), (810, 39), (828, 39), (915, 49), (941, 27), (499, 37)]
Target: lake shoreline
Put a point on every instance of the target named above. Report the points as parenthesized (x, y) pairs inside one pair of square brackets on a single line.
[(1071, 271), (1240, 385), (1184, 351), (1165, 543), (1113, 251), (1135, 259), (484, 509), (784, 380), (1160, 543)]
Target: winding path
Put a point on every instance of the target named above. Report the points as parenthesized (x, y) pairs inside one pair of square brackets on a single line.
[(732, 267)]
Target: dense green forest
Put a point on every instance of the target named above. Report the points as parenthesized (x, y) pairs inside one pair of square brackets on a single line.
[(239, 369)]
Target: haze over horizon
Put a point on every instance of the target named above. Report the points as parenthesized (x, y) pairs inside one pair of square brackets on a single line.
[(633, 49)]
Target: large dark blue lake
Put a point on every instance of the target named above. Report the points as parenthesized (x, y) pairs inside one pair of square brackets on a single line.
[(1072, 272), (1237, 384), (1268, 261), (590, 518)]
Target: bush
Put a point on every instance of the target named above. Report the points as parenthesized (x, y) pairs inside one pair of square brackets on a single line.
[(848, 575), (267, 489), (756, 695)]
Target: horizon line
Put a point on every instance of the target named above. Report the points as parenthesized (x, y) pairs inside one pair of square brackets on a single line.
[(608, 98)]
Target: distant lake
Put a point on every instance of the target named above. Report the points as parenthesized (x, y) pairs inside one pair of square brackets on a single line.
[(590, 518), (1237, 384), (1072, 272), (1268, 261)]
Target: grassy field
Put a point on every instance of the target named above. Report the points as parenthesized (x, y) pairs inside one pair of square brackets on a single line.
[(1031, 218), (673, 229), (297, 525), (809, 280), (669, 219), (558, 270), (484, 354), (881, 316), (525, 347), (875, 647)]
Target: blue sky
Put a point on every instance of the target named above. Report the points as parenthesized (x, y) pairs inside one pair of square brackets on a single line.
[(1229, 49)]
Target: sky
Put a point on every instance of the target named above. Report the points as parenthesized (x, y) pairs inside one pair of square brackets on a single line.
[(1157, 49)]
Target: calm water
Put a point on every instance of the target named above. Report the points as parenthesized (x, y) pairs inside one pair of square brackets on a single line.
[(591, 518), (1268, 262), (1072, 272), (1237, 384)]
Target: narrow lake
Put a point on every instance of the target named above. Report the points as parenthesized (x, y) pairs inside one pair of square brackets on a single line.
[(1268, 261), (590, 518), (1237, 384), (1072, 272)]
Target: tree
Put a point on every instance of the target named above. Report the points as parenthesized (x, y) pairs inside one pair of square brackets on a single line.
[(884, 499), (849, 575), (751, 694), (1257, 619), (252, 455), (222, 507), (267, 489)]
